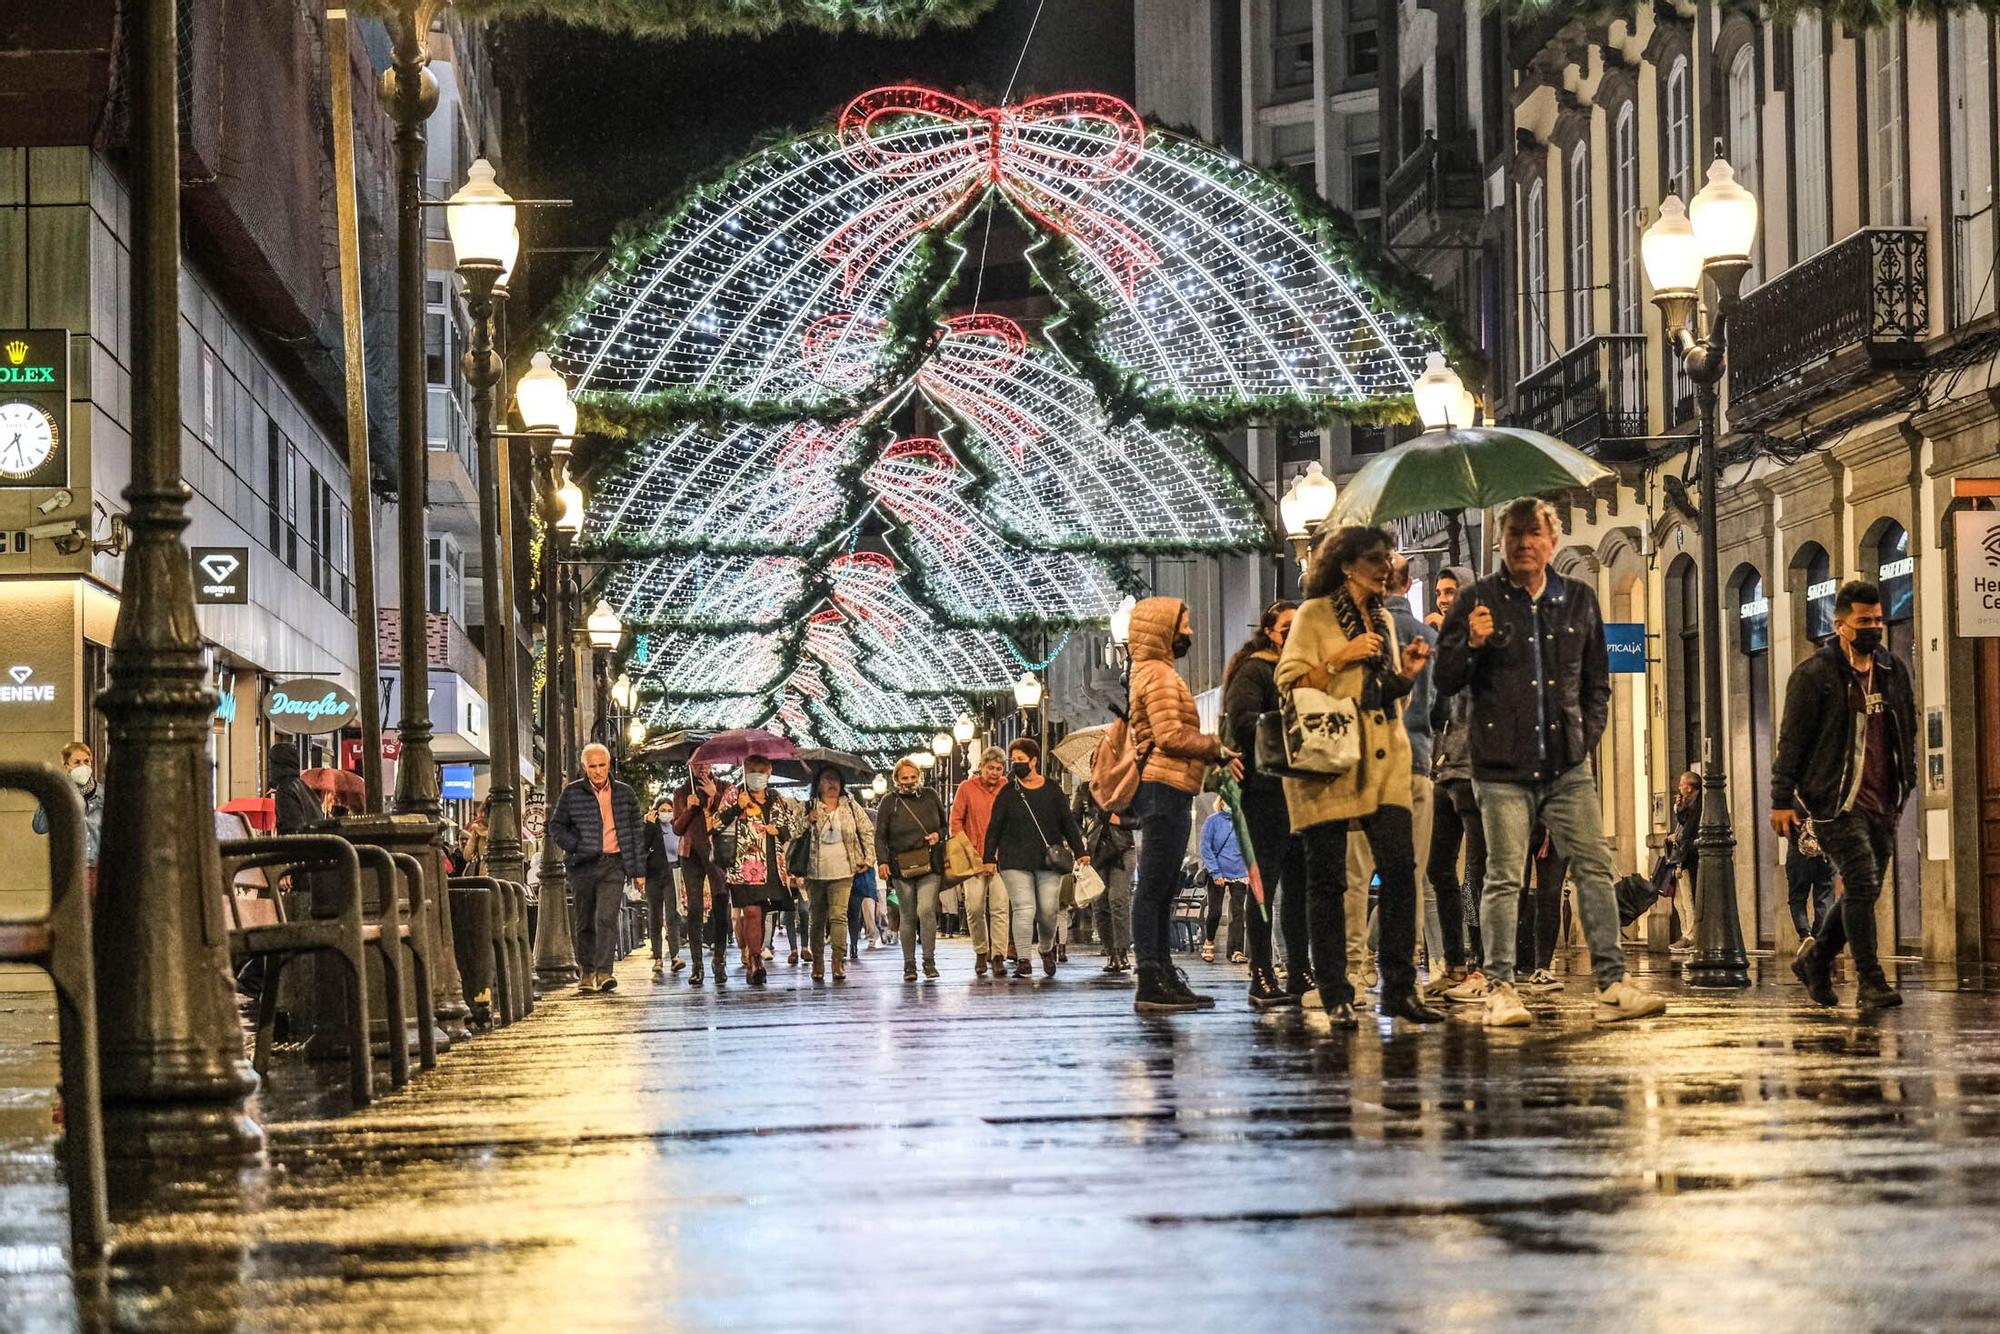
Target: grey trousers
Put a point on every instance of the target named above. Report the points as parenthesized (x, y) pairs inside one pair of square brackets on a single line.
[(917, 902), (1114, 910), (598, 890)]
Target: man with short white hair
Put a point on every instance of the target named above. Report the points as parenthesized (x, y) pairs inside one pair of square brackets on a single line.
[(596, 823), (1528, 643)]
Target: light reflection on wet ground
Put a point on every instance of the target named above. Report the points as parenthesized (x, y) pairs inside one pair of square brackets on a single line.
[(972, 1153)]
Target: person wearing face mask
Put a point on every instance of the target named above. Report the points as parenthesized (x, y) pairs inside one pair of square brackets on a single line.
[(985, 897), (1173, 754), (1030, 818), (1250, 690), (1847, 754), (910, 829), (752, 834), (76, 762)]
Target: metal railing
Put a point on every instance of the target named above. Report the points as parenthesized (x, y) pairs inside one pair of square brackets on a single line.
[(1593, 396), (1432, 180), (1871, 290)]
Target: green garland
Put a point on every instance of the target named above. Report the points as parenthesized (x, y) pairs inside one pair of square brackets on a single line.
[(673, 20), (1854, 15)]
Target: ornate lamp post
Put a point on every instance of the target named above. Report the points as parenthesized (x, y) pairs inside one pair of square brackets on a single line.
[(1683, 246), (1028, 698), (1444, 404), (174, 1078), (542, 398), (1303, 507), (480, 218)]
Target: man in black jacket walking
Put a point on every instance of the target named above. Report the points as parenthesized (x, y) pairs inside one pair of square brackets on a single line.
[(1528, 644), (596, 823), (1847, 753)]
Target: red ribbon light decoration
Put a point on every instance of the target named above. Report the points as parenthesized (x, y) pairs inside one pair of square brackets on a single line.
[(862, 581), (974, 352), (1008, 148), (917, 479)]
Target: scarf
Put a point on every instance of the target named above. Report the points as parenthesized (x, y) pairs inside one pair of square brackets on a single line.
[(1356, 621)]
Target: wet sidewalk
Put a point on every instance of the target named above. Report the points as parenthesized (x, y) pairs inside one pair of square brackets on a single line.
[(972, 1155)]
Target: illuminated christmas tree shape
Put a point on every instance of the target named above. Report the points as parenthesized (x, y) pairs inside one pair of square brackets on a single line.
[(1209, 281), (768, 490), (688, 664), (715, 714), (707, 592), (899, 644)]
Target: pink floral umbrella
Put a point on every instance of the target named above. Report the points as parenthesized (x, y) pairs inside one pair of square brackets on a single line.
[(742, 744)]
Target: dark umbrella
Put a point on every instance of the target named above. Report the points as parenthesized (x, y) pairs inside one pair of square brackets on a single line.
[(812, 759), (672, 747)]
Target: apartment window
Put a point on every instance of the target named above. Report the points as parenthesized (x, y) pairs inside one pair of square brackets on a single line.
[(1579, 243), (445, 578), (1883, 51), (1744, 140), (1364, 53), (274, 485), (1292, 45), (1410, 110), (291, 505), (1625, 221), (1969, 88), (1535, 338), (1365, 172), (1680, 132), (435, 351), (317, 529), (1809, 150)]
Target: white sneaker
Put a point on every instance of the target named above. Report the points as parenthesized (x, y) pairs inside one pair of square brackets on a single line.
[(1472, 991), (1622, 1000), (1540, 983), (1504, 1008)]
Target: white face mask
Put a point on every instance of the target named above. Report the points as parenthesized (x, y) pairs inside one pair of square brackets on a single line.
[(756, 782), (81, 775)]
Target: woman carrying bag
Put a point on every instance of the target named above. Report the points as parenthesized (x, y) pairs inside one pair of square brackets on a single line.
[(1034, 840), (1344, 677), (1249, 691), (910, 829), (840, 841)]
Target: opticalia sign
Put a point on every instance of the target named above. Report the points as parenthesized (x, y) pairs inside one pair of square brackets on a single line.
[(310, 707), (20, 687)]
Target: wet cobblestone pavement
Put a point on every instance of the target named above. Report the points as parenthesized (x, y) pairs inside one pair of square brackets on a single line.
[(975, 1155)]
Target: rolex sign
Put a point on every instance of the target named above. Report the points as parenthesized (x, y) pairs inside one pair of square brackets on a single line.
[(310, 707)]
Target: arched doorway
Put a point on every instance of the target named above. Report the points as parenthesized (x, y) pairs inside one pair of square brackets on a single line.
[(1886, 558), (1750, 674), (1812, 578), (1683, 655)]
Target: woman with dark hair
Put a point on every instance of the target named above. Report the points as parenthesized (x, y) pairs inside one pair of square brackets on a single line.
[(1031, 816), (843, 842), (1343, 642), (1250, 689)]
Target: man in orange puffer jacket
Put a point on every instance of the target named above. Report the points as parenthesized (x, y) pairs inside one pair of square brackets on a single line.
[(1174, 755)]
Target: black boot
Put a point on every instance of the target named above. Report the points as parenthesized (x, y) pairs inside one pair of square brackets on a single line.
[(1875, 993), (1155, 996), (1176, 982), (1811, 966), (1299, 980), (1266, 994), (1411, 1007)]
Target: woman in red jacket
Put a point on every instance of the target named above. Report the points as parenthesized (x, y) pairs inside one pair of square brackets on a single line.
[(984, 896)]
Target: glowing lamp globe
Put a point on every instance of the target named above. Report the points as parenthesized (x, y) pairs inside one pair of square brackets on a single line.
[(635, 732), (1308, 501), (941, 744), (1723, 215), (1028, 691), (961, 731), (879, 786), (1441, 399), (480, 219), (510, 251), (1121, 620), (569, 502), (923, 759), (1671, 252), (604, 627), (542, 395), (621, 691)]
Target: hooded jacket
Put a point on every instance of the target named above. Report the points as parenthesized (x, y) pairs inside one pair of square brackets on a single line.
[(1166, 729), (295, 805), (1825, 730)]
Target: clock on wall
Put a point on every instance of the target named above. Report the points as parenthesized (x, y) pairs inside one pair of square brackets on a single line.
[(34, 408), (29, 438)]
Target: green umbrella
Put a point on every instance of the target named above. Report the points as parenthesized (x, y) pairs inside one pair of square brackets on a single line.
[(1468, 467)]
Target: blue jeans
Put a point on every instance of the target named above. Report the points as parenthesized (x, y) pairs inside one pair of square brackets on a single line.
[(1166, 820), (1033, 899), (1570, 808)]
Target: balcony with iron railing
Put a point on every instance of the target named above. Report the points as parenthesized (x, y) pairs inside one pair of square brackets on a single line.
[(1859, 305), (1592, 397), (1434, 192)]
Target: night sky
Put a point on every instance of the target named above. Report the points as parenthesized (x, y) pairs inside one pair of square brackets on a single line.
[(621, 125)]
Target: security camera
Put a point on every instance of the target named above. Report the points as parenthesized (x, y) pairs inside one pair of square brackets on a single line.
[(60, 500), (60, 529)]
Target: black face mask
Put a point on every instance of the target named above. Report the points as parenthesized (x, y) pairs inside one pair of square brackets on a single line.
[(1022, 768), (1182, 643), (1868, 640)]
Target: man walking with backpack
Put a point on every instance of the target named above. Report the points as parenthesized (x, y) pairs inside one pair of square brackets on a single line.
[(1847, 754)]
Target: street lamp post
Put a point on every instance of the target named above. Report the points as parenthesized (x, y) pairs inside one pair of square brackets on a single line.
[(1303, 507), (542, 398), (1683, 246), (483, 237), (1028, 693), (174, 1078)]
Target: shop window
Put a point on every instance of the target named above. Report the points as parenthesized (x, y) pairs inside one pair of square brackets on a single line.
[(1753, 614), (1820, 589), (1895, 572)]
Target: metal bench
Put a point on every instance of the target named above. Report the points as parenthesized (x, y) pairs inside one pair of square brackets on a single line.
[(59, 944), (482, 903), (411, 930), (520, 946)]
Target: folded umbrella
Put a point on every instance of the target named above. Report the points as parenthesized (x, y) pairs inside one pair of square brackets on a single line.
[(1468, 467)]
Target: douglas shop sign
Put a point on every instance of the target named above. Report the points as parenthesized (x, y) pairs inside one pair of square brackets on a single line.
[(309, 707)]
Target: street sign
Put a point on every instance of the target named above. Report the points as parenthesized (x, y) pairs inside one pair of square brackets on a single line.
[(1626, 643), (455, 782), (34, 407), (310, 707), (221, 575), (1976, 544)]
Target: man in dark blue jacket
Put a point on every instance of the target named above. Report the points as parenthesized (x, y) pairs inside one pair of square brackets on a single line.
[(1528, 644), (596, 823)]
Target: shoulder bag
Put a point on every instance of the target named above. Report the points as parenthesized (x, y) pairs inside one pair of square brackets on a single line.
[(1322, 733), (917, 862), (1055, 856)]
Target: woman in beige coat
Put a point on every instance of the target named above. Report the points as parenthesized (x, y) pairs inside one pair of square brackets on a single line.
[(1344, 643)]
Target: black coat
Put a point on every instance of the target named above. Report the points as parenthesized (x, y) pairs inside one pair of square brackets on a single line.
[(1252, 692), (901, 823), (1819, 741), (1025, 823), (578, 828), (1507, 743), (657, 834)]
